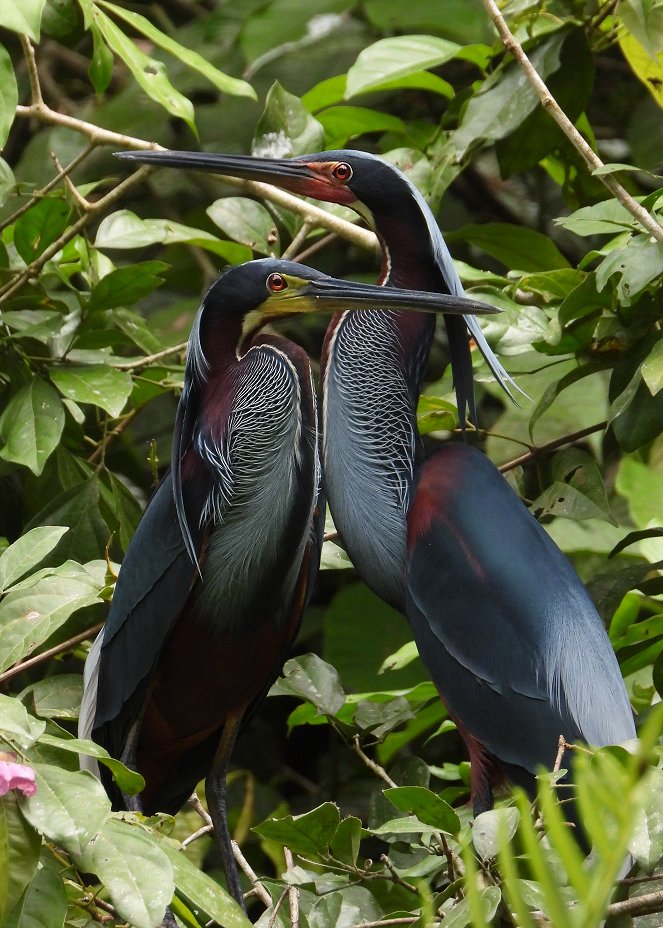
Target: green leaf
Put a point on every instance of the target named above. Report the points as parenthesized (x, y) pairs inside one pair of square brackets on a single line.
[(646, 843), (16, 725), (202, 892), (8, 94), (426, 805), (647, 68), (577, 490), (515, 246), (221, 81), (247, 222), (286, 127), (334, 557), (652, 368), (133, 868), (381, 717), (67, 807), (28, 551), (32, 612), (608, 217), (100, 71), (313, 680), (342, 123), (644, 20), (40, 226), (78, 507), (400, 658), (311, 833), (353, 905), (44, 903), (57, 697), (461, 914), (31, 425), (346, 841), (7, 181), (94, 383), (129, 781), (149, 73), (126, 285), (22, 16), (124, 229), (643, 488), (492, 827), (638, 264), (20, 845), (392, 58)]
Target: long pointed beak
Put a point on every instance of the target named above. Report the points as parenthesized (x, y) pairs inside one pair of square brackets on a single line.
[(328, 293), (280, 171)]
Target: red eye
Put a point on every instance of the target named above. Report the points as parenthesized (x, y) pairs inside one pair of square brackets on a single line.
[(342, 171), (276, 283)]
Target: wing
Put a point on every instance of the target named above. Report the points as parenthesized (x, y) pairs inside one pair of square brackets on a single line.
[(152, 588), (506, 628)]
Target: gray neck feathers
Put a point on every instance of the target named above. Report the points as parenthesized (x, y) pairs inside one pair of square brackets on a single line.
[(369, 447)]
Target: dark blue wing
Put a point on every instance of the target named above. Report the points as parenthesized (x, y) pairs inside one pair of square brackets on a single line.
[(502, 621)]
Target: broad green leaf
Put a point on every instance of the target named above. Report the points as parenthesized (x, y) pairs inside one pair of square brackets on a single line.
[(346, 841), (40, 226), (124, 229), (30, 615), (647, 68), (516, 247), (334, 557), (311, 833), (310, 678), (405, 825), (392, 58), (608, 217), (28, 551), (31, 425), (100, 71), (326, 93), (223, 82), (577, 490), (201, 891), (342, 123), (44, 903), (20, 845), (22, 16), (461, 914), (78, 507), (150, 73), (57, 697), (379, 718), (400, 658), (426, 806), (638, 265), (642, 485), (7, 181), (8, 94), (435, 414), (247, 222), (353, 905), (652, 368), (16, 725), (94, 383), (137, 329), (129, 781), (126, 285), (134, 870), (491, 827), (286, 127), (68, 807), (286, 21)]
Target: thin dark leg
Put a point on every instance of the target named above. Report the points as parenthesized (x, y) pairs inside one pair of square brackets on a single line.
[(215, 793)]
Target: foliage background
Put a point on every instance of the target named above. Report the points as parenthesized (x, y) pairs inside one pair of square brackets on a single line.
[(100, 275)]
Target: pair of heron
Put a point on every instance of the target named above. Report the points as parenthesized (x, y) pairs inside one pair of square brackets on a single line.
[(218, 574)]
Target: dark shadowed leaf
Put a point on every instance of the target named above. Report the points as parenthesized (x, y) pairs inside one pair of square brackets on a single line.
[(381, 717), (515, 246), (126, 285), (311, 679), (311, 833), (346, 841), (44, 903), (40, 227), (78, 507)]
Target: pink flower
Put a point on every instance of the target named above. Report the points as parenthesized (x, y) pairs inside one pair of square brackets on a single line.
[(16, 776)]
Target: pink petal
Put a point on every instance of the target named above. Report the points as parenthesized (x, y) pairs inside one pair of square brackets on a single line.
[(16, 776)]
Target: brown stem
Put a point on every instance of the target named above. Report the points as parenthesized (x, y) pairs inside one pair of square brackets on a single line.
[(551, 445), (151, 358), (51, 652), (548, 102), (293, 891), (371, 764), (33, 74), (646, 904)]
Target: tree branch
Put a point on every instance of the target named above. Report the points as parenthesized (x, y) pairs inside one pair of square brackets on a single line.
[(548, 102), (646, 904), (552, 445), (371, 764), (51, 652)]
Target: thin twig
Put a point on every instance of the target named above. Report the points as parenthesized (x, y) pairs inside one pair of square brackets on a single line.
[(535, 450), (275, 911), (316, 247), (33, 74), (70, 186), (205, 830), (561, 748), (297, 241), (646, 904), (404, 920), (246, 868), (371, 764), (99, 452), (453, 861), (293, 891), (548, 102), (51, 652), (150, 358), (396, 877)]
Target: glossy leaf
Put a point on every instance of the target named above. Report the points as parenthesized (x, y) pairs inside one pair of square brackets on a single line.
[(129, 781), (491, 827), (652, 368), (133, 868), (16, 725), (126, 285), (311, 833), (31, 425), (68, 807), (310, 678), (150, 73), (7, 181), (223, 82), (28, 551), (346, 908), (22, 16), (342, 123), (101, 61), (426, 805), (247, 222), (20, 845), (392, 58), (8, 94), (78, 507), (379, 718), (95, 384), (57, 697), (44, 903), (647, 67), (346, 841), (515, 246), (40, 226), (286, 128)]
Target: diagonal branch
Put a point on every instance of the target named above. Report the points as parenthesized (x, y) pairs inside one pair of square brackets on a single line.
[(548, 102)]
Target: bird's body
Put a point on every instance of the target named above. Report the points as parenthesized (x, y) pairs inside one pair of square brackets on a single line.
[(502, 621), (219, 571)]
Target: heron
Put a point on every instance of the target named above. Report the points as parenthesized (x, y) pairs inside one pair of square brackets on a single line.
[(502, 621), (219, 571)]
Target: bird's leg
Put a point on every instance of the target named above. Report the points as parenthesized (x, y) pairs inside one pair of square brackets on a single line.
[(215, 793)]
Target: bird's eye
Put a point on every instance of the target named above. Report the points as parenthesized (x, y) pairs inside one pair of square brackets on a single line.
[(276, 283), (342, 171)]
